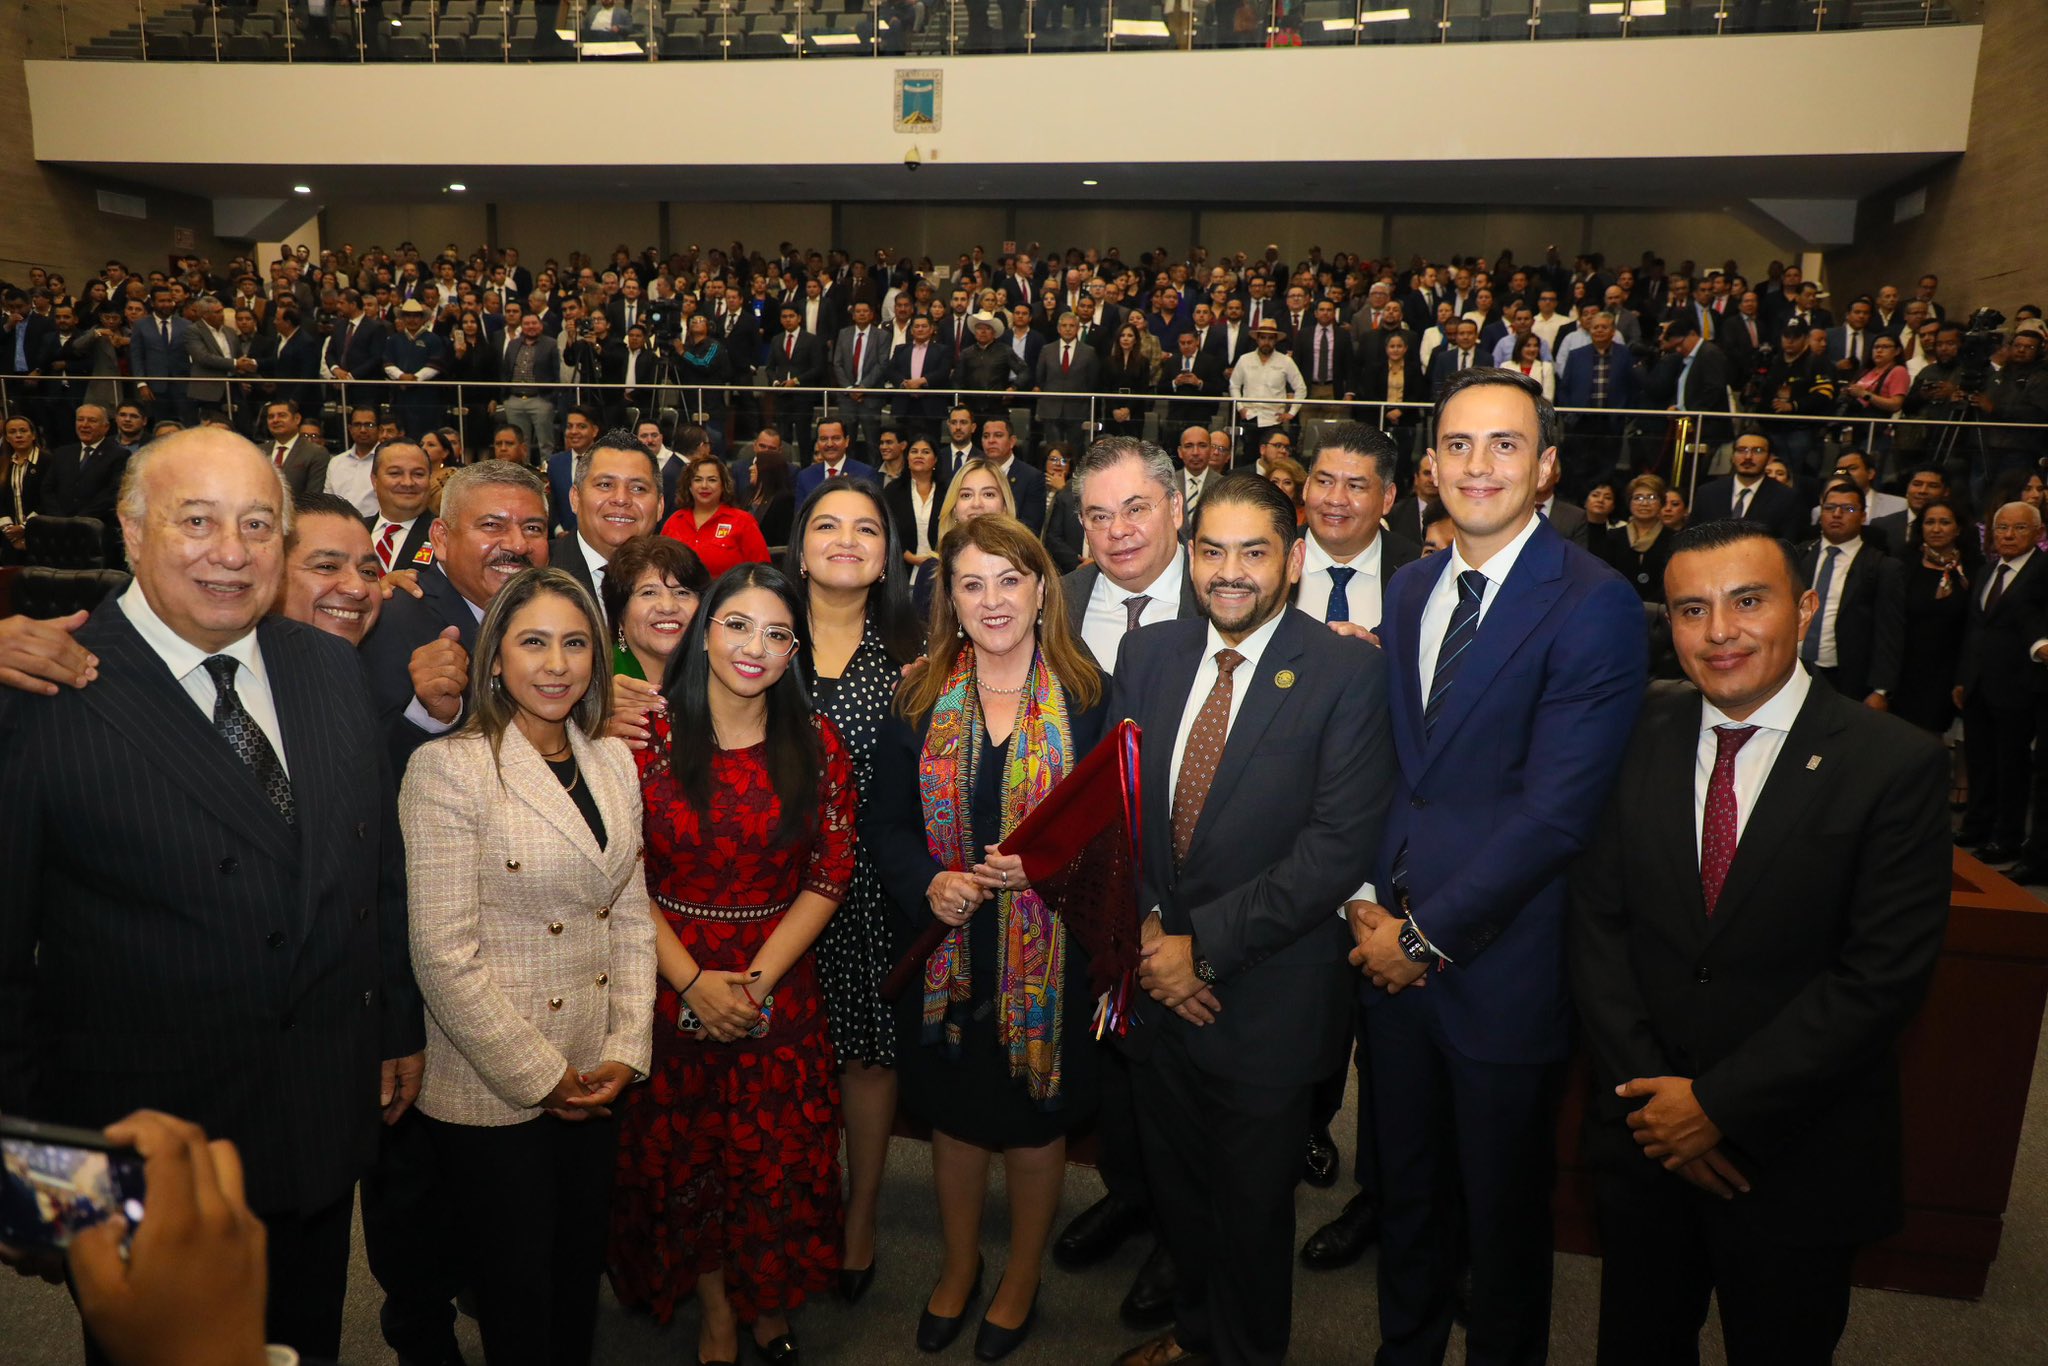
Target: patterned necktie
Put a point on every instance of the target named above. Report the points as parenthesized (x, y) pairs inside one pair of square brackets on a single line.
[(1340, 603), (1134, 608), (1742, 497), (1809, 649), (386, 544), (1204, 753), (1458, 638), (1717, 830), (247, 739)]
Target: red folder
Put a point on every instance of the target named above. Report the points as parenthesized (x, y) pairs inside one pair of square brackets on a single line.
[(1080, 850)]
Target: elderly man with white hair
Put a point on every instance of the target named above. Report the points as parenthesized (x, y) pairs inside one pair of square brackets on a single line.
[(1999, 682)]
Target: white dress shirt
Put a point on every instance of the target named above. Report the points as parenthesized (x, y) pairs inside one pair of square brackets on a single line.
[(187, 663), (596, 564), (921, 514), (415, 711), (348, 476), (1838, 583), (1443, 600), (1104, 621), (1258, 381), (1362, 596), (1753, 761)]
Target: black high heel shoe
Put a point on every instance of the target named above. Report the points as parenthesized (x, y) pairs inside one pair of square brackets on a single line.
[(780, 1351), (993, 1342), (936, 1333), (854, 1284)]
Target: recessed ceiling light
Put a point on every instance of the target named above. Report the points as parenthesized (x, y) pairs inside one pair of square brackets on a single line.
[(1091, 182), (457, 186), (302, 189)]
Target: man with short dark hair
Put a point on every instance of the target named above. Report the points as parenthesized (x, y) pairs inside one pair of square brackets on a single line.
[(832, 461), (1749, 494), (1027, 485), (402, 480), (616, 497), (1858, 630), (1756, 919), (581, 428)]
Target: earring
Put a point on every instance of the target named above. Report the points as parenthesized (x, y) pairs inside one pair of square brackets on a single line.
[(960, 631)]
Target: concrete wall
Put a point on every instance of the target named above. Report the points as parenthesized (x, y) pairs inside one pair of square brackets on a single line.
[(1982, 230), (49, 215)]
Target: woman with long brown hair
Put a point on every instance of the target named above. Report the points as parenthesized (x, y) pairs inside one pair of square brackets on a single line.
[(996, 1052)]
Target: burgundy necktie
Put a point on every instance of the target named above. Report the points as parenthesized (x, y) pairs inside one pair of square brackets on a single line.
[(859, 340), (1066, 356), (1717, 830), (1997, 589)]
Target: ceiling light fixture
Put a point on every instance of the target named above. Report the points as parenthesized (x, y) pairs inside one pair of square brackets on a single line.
[(1091, 182), (457, 186), (302, 189)]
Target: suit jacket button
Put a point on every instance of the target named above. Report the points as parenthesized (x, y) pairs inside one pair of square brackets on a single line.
[(603, 912), (603, 977), (288, 1024), (554, 927), (362, 913), (1703, 977), (366, 999), (276, 939), (512, 865), (1418, 802), (554, 1003), (229, 864), (362, 831)]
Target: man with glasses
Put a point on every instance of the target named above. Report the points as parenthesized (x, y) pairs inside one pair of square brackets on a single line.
[(1748, 494), (1858, 629), (350, 472)]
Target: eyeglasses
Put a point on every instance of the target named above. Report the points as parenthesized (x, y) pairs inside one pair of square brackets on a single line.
[(778, 641), (1135, 511)]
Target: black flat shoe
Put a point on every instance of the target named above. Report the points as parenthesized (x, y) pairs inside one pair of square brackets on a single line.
[(936, 1333), (992, 1342), (1320, 1169), (779, 1351), (1344, 1239), (1150, 1301), (1996, 854), (854, 1284), (1096, 1233)]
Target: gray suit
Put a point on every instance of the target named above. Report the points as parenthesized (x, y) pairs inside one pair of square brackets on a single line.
[(1570, 521), (210, 366), (305, 465), (1080, 586), (865, 412), (1083, 376)]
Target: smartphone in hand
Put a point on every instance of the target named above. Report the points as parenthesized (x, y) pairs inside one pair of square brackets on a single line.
[(57, 1182)]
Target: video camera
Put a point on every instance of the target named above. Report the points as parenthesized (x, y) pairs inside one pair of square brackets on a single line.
[(1982, 339)]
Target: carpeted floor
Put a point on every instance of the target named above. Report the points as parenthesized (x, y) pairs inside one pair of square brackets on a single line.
[(1334, 1312)]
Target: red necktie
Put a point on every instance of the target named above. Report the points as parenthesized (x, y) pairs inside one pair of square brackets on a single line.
[(859, 338), (385, 545), (278, 458), (790, 351), (1717, 830), (1066, 356)]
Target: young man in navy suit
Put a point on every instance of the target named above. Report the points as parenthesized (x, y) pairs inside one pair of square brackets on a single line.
[(1516, 667)]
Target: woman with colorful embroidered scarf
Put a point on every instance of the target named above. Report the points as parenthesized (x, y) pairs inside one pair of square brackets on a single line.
[(996, 1054)]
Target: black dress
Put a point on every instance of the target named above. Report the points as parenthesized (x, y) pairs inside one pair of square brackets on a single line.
[(972, 1096), (864, 937), (1934, 643), (1644, 569)]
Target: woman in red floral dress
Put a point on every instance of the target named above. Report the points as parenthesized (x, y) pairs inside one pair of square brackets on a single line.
[(728, 1179)]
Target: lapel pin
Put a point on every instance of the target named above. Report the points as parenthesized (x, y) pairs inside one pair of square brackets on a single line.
[(1284, 679), (1813, 763)]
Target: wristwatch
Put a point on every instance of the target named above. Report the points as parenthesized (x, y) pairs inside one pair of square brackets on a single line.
[(1204, 969), (1413, 945)]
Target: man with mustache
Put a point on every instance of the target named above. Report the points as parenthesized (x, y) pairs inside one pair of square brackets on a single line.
[(493, 523)]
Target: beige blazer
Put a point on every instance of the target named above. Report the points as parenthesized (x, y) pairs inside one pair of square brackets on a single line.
[(533, 948)]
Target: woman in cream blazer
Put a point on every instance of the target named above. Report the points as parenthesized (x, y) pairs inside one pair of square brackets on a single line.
[(533, 943)]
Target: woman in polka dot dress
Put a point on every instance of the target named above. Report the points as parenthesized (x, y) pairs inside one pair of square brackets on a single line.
[(861, 633)]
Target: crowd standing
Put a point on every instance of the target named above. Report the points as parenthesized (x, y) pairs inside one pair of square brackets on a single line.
[(510, 802)]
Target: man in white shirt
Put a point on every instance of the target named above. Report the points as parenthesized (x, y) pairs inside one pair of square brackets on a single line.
[(1266, 383), (350, 471), (401, 480), (1198, 468), (1349, 561)]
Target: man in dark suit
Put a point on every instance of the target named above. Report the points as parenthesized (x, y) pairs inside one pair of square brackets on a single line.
[(191, 928), (918, 368), (616, 497), (493, 524), (2002, 688), (796, 359), (1461, 353), (287, 359), (1900, 530), (156, 349), (1757, 918), (402, 479), (1136, 576), (1694, 378), (1858, 630), (1749, 494), (1232, 336), (1260, 819), (1189, 374), (84, 480), (1066, 366), (355, 348), (832, 460), (1567, 518), (1349, 560), (1027, 485), (1517, 663)]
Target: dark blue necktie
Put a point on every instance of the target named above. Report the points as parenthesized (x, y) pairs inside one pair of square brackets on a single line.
[(1340, 605), (1809, 649), (247, 739), (1458, 638)]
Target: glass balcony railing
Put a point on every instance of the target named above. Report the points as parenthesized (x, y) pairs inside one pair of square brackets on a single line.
[(361, 31)]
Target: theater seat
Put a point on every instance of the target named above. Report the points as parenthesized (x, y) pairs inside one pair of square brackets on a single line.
[(67, 542), (33, 591)]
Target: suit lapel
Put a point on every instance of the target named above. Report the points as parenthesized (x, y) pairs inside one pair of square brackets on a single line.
[(1414, 594), (1263, 700), (137, 696), (1797, 778), (439, 589), (1670, 801), (308, 747), (1156, 758), (529, 778), (1536, 582)]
